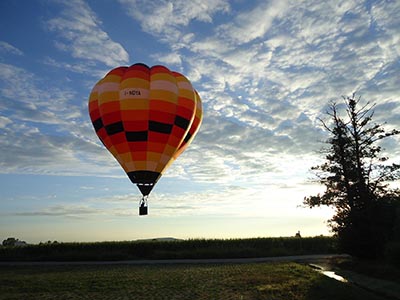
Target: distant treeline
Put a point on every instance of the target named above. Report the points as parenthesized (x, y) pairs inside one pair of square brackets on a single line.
[(179, 249)]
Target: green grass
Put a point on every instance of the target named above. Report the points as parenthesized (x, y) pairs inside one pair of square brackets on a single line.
[(193, 249), (230, 281)]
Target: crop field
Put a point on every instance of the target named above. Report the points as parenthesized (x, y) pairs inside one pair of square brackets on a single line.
[(229, 281), (180, 249)]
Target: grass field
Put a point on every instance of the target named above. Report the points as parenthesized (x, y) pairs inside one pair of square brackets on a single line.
[(230, 281)]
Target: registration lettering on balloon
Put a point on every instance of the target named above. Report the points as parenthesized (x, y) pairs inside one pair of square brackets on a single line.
[(146, 117), (129, 93), (132, 93)]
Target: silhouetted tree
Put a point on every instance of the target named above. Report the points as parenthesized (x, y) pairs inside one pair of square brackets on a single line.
[(9, 241), (356, 178)]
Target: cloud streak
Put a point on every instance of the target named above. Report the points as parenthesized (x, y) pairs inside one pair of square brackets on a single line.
[(80, 33), (41, 129), (8, 48), (167, 18)]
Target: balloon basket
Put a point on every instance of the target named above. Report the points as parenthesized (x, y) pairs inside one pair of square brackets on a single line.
[(143, 208)]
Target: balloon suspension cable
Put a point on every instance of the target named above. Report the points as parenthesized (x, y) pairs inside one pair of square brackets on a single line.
[(143, 201), (143, 209)]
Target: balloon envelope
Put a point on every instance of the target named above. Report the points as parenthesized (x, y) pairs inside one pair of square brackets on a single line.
[(146, 117)]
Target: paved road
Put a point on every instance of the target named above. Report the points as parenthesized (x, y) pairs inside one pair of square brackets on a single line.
[(297, 258)]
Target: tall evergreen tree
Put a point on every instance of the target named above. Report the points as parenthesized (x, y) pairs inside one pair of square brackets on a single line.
[(356, 176)]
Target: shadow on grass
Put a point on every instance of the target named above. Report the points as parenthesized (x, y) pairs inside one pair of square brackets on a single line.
[(325, 288)]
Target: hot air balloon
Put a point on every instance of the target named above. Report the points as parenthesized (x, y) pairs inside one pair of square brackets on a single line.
[(146, 117)]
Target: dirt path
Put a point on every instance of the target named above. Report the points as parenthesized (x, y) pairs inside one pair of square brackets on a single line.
[(296, 258), (383, 288)]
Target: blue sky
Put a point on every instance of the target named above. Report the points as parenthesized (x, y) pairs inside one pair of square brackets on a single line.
[(266, 71)]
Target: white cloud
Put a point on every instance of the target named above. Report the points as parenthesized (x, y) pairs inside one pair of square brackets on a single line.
[(27, 150), (264, 85), (387, 26), (72, 211), (161, 16), (8, 48), (170, 21), (250, 25), (43, 132), (210, 46), (24, 97), (4, 121), (81, 35), (169, 59), (87, 67)]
